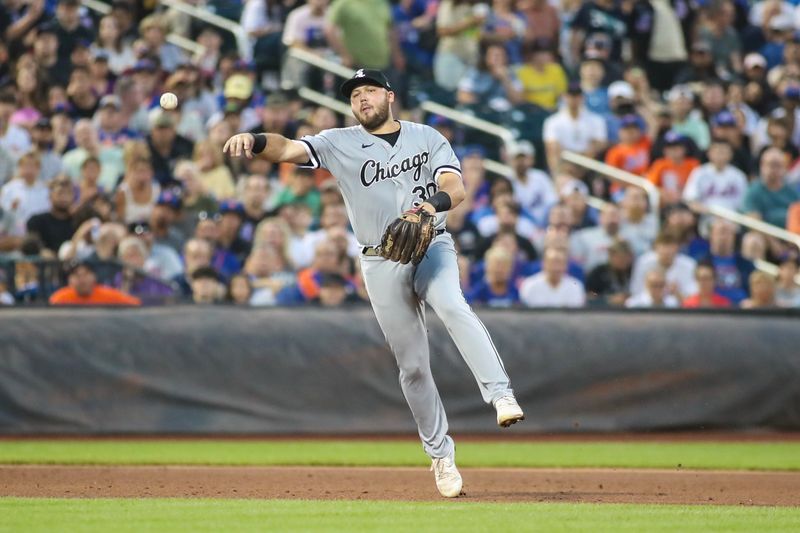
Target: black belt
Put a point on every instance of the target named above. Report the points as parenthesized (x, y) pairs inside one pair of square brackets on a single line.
[(374, 251)]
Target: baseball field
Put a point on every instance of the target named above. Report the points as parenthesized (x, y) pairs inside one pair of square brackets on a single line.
[(678, 482)]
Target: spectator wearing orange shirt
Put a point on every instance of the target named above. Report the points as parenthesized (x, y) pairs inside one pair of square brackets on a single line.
[(671, 172), (706, 295), (84, 290), (632, 152)]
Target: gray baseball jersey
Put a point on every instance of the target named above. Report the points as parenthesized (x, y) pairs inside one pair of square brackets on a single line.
[(379, 181)]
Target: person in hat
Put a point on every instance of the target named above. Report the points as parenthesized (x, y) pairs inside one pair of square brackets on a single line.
[(725, 126), (599, 17), (543, 79), (167, 147), (42, 139), (56, 69), (685, 119), (83, 289), (533, 188), (573, 128), (399, 173), (69, 28), (779, 31), (111, 127), (164, 217), (700, 68), (671, 172), (632, 153), (609, 283)]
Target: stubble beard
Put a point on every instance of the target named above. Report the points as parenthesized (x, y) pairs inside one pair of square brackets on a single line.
[(381, 115)]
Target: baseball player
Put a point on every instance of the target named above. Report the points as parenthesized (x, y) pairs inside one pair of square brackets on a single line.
[(398, 179)]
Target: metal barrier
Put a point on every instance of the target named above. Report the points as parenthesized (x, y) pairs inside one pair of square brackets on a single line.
[(617, 175), (178, 40), (721, 212), (243, 42)]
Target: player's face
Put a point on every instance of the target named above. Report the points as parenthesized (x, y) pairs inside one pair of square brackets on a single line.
[(370, 105)]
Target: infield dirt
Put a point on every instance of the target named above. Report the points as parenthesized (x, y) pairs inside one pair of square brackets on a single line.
[(480, 484)]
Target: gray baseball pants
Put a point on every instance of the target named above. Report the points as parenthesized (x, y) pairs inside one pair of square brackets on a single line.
[(398, 294)]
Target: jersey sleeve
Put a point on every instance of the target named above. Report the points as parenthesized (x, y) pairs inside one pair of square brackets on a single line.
[(443, 158), (319, 149)]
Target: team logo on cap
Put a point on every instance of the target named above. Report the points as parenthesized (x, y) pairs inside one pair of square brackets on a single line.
[(360, 73)]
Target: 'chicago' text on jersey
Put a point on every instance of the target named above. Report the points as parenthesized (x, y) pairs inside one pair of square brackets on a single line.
[(372, 171)]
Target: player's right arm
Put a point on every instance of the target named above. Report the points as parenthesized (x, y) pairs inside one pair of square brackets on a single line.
[(279, 149)]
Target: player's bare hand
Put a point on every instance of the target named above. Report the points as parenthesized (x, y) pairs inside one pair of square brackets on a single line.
[(240, 144)]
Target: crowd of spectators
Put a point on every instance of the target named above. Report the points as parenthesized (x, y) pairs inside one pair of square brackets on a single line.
[(106, 198)]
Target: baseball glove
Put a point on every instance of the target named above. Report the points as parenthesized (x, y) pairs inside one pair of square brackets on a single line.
[(408, 237)]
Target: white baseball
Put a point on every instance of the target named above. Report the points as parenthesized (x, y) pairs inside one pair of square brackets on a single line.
[(169, 101)]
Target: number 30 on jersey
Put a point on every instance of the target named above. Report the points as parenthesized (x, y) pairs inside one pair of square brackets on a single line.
[(423, 192)]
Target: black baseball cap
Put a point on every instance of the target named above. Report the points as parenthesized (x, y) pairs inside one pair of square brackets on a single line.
[(365, 76)]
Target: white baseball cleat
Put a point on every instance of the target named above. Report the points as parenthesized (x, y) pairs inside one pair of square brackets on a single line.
[(508, 411), (448, 480)]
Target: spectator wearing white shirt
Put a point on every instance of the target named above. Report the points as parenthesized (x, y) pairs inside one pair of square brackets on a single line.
[(533, 188), (638, 224), (654, 293), (333, 222), (304, 30), (589, 246), (573, 128), (552, 287), (717, 183), (678, 268), (23, 196), (13, 139)]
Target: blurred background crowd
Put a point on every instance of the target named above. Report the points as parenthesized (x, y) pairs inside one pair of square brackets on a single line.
[(106, 198)]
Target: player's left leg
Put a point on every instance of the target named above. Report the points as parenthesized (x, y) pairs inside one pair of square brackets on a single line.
[(437, 282)]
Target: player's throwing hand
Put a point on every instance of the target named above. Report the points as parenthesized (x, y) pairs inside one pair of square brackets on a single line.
[(239, 144)]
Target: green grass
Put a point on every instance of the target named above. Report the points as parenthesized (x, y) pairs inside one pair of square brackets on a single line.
[(177, 515), (701, 455)]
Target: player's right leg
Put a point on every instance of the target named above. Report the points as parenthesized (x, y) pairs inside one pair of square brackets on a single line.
[(401, 317)]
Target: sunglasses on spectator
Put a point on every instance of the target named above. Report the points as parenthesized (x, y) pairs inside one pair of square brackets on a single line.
[(205, 215)]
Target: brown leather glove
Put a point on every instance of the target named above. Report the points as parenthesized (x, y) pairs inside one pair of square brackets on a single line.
[(408, 237)]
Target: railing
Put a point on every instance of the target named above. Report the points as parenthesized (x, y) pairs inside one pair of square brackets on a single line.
[(617, 175), (243, 43), (178, 40), (721, 212)]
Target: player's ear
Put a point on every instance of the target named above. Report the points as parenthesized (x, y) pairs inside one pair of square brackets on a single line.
[(391, 97)]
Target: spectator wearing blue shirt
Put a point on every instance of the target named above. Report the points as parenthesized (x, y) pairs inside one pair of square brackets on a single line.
[(493, 83), (412, 20), (779, 31), (496, 288), (732, 270)]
